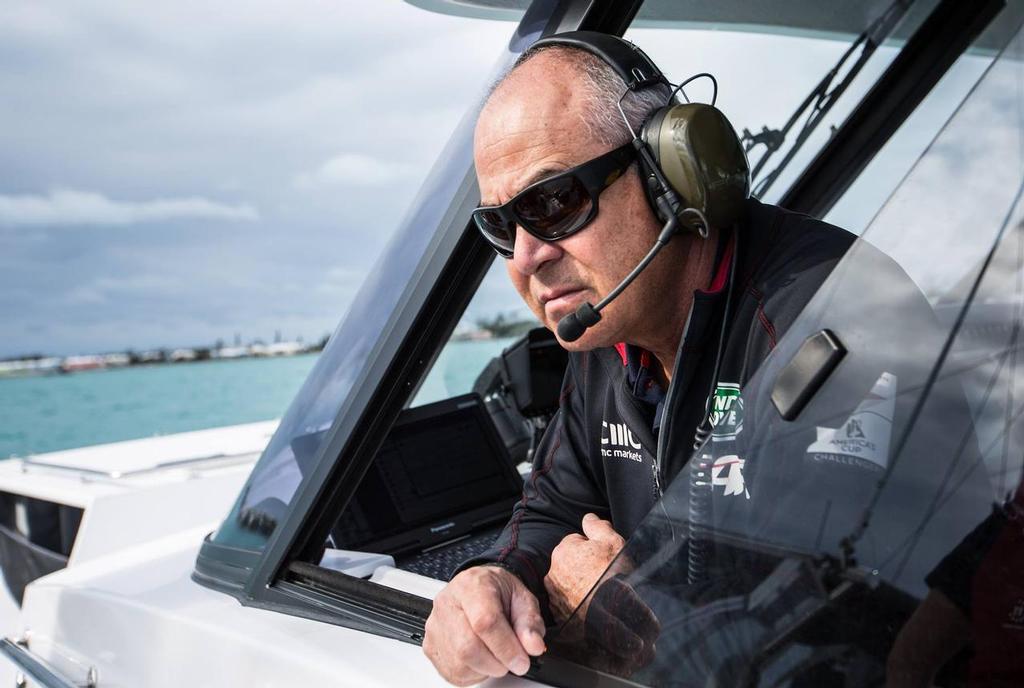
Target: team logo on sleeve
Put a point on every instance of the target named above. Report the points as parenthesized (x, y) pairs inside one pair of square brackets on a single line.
[(862, 440), (726, 412)]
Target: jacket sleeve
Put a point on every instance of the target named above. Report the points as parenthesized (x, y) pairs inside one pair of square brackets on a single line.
[(560, 489)]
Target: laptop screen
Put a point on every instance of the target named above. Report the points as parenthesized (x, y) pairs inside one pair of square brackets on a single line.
[(439, 463)]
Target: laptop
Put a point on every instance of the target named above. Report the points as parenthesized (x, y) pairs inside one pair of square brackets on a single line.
[(438, 493)]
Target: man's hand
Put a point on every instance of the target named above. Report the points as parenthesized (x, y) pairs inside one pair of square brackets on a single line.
[(577, 562), (620, 630), (616, 631), (484, 623)]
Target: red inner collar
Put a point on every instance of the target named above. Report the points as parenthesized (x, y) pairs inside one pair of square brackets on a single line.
[(722, 271), (717, 284)]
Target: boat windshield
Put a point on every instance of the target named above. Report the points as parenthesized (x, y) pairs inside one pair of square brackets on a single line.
[(843, 543), (339, 374)]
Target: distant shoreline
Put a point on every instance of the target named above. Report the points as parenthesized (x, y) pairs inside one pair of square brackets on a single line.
[(143, 366), (57, 412), (53, 365), (499, 327)]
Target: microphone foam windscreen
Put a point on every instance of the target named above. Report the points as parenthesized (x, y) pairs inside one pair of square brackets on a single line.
[(570, 328)]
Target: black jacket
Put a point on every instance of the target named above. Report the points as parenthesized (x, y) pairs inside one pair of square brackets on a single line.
[(872, 484), (601, 453)]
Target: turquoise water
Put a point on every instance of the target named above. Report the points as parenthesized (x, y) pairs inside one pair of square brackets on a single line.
[(41, 414), (456, 369)]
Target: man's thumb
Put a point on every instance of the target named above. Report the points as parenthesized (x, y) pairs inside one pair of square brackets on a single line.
[(524, 613), (596, 528)]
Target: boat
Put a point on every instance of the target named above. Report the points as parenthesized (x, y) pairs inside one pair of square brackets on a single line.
[(210, 558)]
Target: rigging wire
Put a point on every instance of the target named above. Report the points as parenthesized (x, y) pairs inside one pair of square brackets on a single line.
[(1010, 352), (911, 539), (821, 98), (848, 544), (917, 532)]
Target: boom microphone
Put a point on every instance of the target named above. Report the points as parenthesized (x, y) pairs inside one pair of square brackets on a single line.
[(571, 327)]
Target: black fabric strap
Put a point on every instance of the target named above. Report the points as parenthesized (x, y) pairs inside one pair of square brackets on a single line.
[(629, 62)]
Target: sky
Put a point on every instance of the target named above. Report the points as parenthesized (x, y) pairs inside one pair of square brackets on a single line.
[(177, 173), (174, 174)]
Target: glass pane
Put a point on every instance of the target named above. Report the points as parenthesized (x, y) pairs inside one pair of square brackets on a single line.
[(765, 79), (291, 452), (495, 318), (878, 533), (885, 172)]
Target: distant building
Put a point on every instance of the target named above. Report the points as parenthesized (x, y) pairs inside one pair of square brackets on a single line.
[(182, 355), (278, 349), (151, 356), (74, 364), (115, 360), (29, 366), (231, 352)]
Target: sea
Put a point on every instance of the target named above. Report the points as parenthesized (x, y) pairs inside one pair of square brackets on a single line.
[(54, 412)]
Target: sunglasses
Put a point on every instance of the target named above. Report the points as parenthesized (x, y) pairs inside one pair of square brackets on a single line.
[(555, 207)]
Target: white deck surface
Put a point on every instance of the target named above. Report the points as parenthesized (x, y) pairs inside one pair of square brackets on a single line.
[(76, 476), (167, 485), (126, 603), (141, 621)]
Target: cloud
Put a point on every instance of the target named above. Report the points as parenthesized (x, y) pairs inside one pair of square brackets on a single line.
[(353, 169), (942, 220), (69, 207)]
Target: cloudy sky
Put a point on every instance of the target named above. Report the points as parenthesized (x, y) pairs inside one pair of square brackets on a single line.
[(178, 173)]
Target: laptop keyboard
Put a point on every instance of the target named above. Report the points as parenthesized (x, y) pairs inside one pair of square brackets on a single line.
[(442, 562)]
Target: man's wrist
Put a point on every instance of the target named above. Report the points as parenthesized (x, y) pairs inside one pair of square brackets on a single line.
[(504, 566)]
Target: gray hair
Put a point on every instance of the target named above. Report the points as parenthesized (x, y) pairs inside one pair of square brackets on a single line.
[(602, 88)]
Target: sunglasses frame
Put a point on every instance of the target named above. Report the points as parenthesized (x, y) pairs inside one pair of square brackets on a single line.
[(595, 175)]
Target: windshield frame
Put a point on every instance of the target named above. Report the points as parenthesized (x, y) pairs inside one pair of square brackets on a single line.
[(438, 291)]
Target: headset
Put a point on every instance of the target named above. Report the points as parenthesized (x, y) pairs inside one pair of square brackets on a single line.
[(692, 165), (689, 154)]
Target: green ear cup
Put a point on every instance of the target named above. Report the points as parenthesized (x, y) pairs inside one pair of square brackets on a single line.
[(701, 156)]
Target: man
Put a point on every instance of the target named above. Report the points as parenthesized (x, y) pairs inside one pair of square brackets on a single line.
[(599, 469)]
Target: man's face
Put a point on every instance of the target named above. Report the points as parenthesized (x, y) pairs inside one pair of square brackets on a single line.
[(534, 127)]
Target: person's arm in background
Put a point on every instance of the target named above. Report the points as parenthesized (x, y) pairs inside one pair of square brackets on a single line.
[(935, 632), (941, 626)]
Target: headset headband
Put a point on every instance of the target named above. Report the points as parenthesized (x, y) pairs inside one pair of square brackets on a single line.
[(630, 62)]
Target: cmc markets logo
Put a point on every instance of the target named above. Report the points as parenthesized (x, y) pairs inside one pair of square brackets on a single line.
[(726, 411), (620, 436)]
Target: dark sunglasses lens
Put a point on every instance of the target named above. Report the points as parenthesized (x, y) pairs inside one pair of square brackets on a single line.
[(501, 234), (554, 208)]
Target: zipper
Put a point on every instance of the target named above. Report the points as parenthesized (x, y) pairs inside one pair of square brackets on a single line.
[(667, 412), (626, 398)]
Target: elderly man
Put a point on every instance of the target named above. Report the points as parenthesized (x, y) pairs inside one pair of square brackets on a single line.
[(637, 388)]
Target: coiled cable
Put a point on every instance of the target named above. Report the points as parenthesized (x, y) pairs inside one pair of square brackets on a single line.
[(702, 464)]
